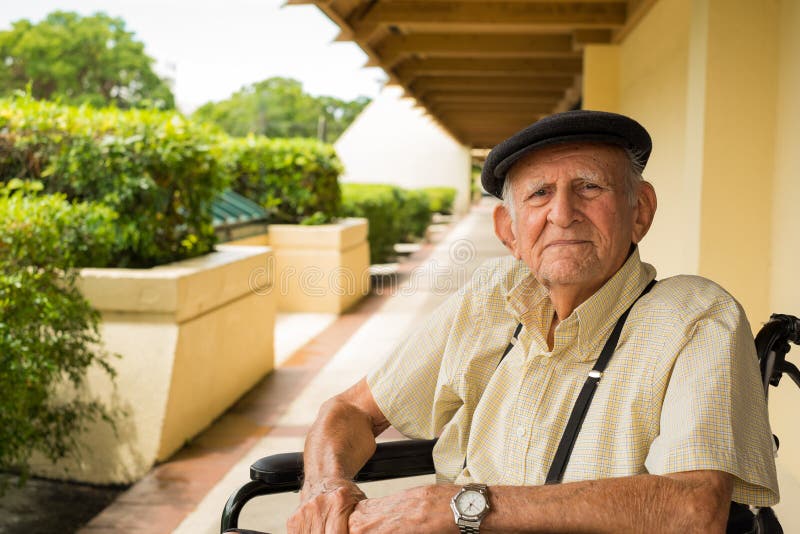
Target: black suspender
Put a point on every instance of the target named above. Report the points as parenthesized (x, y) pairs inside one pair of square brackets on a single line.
[(511, 343), (581, 407), (575, 421)]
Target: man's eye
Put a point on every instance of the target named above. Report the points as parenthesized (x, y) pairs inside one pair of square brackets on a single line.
[(538, 196), (590, 188)]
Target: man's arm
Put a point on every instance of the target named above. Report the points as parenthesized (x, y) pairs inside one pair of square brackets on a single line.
[(338, 444), (694, 501)]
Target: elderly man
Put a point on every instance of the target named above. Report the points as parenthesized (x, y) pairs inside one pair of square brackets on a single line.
[(569, 392)]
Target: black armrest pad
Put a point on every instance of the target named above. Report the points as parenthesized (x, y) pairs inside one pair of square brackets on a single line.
[(393, 459), (280, 469), (397, 459)]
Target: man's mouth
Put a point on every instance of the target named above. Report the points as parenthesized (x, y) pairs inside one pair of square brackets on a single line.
[(567, 243)]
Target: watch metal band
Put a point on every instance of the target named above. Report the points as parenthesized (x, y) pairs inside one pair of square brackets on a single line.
[(468, 527)]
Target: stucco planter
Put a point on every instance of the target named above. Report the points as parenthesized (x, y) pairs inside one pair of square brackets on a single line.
[(322, 268), (193, 337)]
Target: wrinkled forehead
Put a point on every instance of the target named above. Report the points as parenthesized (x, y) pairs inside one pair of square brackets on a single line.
[(608, 159)]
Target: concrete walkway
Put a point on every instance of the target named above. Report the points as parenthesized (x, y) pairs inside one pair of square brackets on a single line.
[(318, 356)]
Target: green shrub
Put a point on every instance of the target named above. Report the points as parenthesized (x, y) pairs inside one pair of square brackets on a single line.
[(395, 215), (441, 198), (380, 204), (416, 215), (48, 331), (296, 180), (157, 170)]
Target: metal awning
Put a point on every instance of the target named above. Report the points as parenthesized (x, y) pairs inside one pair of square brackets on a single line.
[(483, 69), (235, 216)]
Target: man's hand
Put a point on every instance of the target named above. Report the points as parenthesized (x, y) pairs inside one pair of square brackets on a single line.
[(421, 510), (340, 441), (325, 507)]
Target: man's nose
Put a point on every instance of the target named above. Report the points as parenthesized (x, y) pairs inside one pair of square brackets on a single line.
[(563, 208)]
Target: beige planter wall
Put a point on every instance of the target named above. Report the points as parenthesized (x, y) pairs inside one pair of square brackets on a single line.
[(322, 268), (193, 337), (260, 240)]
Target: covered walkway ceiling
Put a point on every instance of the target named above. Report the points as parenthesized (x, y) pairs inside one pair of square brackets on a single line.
[(482, 68)]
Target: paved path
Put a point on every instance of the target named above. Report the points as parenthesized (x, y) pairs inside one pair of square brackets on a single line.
[(186, 494)]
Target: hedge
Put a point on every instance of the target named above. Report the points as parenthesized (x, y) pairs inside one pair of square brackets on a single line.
[(395, 215), (415, 208), (380, 205), (48, 331), (157, 170), (296, 180), (441, 199)]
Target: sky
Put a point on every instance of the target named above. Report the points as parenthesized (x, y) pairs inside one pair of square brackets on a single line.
[(211, 48)]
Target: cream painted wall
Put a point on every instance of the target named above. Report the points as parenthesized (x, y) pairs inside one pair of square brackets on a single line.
[(784, 294), (601, 77), (392, 142), (738, 149), (653, 73)]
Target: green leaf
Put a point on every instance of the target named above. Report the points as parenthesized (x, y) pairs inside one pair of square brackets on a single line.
[(79, 60)]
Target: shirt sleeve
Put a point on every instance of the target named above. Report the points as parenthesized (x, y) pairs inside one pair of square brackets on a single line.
[(714, 412), (410, 386)]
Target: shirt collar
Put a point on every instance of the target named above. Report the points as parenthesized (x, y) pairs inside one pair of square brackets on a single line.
[(529, 301)]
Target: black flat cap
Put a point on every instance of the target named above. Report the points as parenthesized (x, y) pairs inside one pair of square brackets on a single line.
[(570, 126)]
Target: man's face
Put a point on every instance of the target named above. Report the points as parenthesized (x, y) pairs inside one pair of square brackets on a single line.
[(574, 224)]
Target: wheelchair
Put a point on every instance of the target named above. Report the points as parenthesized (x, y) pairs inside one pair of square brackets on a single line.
[(281, 473)]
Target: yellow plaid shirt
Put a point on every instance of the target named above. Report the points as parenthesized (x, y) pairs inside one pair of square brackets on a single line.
[(682, 391)]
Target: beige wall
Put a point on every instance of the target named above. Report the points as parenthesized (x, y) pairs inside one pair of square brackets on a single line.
[(738, 160), (601, 77), (653, 79), (784, 259)]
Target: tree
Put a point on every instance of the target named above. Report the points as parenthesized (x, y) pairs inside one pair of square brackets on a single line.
[(92, 60), (278, 107)]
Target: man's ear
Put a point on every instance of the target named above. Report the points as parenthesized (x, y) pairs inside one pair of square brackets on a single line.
[(503, 228), (646, 205)]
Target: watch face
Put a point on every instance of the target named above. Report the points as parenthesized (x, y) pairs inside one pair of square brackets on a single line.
[(471, 503)]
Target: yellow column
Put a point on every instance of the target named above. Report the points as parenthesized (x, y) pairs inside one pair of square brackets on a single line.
[(601, 77), (785, 258), (735, 126), (654, 75)]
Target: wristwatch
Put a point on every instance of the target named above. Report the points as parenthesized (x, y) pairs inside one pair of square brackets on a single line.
[(470, 505)]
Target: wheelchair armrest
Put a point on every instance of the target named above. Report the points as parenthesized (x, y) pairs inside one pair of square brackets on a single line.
[(280, 473), (393, 459), (397, 459)]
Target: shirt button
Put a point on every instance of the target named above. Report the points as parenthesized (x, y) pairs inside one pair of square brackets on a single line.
[(520, 431)]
